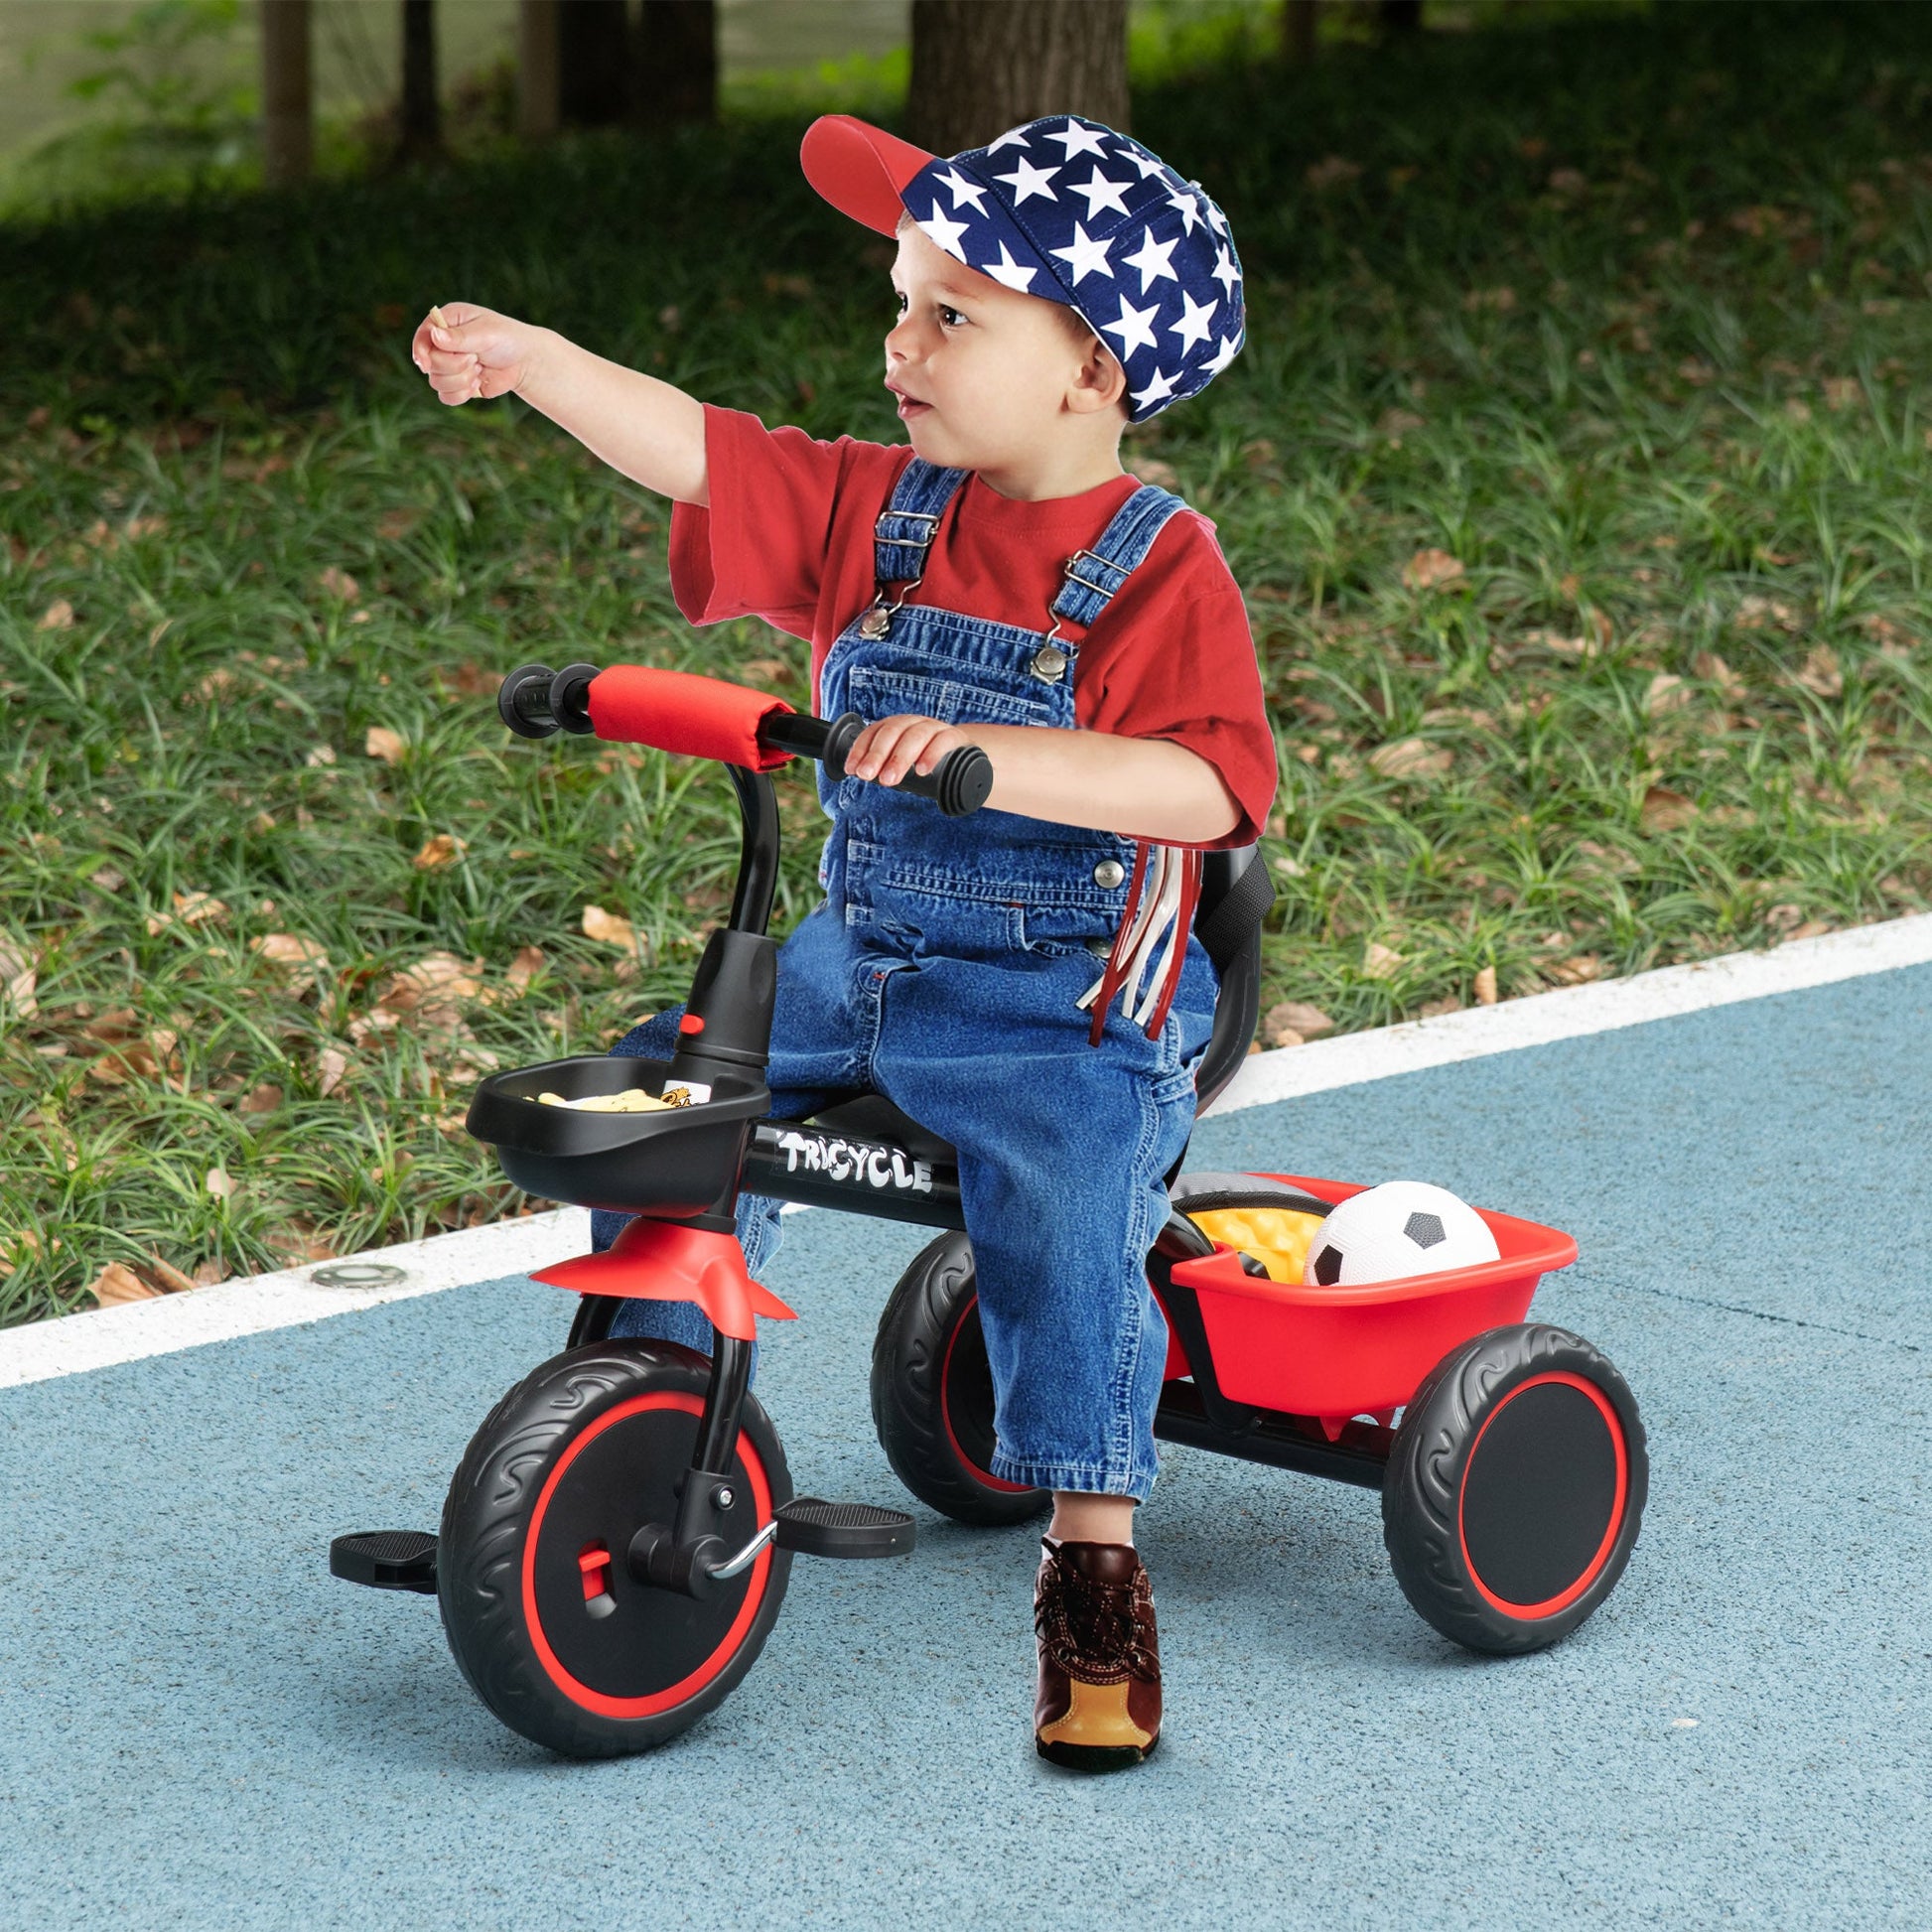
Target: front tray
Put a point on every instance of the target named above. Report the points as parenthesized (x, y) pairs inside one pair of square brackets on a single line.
[(673, 1164)]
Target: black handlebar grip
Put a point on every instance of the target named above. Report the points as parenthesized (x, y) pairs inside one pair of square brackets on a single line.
[(534, 701), (958, 785)]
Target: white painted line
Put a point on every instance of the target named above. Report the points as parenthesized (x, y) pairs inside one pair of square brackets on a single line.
[(1570, 1012), (104, 1336), (250, 1306)]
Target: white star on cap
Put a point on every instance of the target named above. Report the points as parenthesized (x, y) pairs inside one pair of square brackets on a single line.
[(1215, 215), (1132, 327), (1148, 164), (1101, 193), (1007, 271), (1029, 180), (1152, 260), (964, 191), (946, 232), (1227, 273), (1087, 256), (1193, 327), (1185, 205), (1159, 390), (1222, 357), (1078, 140), (1017, 136)]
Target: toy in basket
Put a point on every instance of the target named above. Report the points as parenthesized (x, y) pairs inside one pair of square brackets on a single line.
[(618, 1539)]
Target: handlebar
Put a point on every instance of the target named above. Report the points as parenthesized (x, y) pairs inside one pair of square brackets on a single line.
[(535, 702)]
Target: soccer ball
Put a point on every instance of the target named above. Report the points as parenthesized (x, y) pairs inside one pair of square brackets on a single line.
[(1400, 1229)]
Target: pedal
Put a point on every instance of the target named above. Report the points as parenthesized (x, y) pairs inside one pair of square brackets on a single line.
[(387, 1559), (814, 1528)]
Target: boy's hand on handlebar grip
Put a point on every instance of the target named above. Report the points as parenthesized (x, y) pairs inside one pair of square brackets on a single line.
[(470, 353), (887, 751)]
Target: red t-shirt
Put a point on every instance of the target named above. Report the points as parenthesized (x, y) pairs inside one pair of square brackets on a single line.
[(789, 537)]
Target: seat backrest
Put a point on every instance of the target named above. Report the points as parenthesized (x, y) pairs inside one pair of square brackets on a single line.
[(1235, 894)]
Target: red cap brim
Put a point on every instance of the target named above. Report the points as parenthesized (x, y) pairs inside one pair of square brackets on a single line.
[(859, 169)]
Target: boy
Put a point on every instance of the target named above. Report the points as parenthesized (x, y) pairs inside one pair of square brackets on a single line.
[(1024, 984)]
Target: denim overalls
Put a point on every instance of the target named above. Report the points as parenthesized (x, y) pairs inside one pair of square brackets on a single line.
[(944, 969)]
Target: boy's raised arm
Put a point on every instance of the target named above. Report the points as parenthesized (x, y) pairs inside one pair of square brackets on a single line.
[(647, 429)]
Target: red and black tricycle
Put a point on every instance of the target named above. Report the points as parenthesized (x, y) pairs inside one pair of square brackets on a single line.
[(617, 1542)]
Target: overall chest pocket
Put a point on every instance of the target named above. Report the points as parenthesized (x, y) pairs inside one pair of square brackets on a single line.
[(876, 694)]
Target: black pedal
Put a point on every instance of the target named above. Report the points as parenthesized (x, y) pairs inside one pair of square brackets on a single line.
[(387, 1559), (820, 1529)]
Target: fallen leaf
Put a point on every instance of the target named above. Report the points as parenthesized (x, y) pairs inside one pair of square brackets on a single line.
[(1485, 985), (610, 927), (1281, 1037), (220, 1183), (200, 909), (1667, 692), (436, 980), (766, 670), (1395, 424), (320, 754), (263, 1099), (1578, 969), (339, 583), (473, 680), (58, 615), (1712, 669), (1664, 810), (384, 744), (18, 978), (441, 849), (1500, 300), (168, 1276), (1842, 391), (1821, 672), (332, 1064), (304, 958), (208, 1273), (1332, 171), (1430, 570), (1812, 929), (117, 1283), (1379, 961), (525, 966), (1412, 758), (1308, 1020)]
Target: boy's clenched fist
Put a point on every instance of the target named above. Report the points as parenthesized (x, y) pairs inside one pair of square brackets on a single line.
[(470, 352)]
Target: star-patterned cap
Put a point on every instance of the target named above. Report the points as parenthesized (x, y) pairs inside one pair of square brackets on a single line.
[(1067, 209)]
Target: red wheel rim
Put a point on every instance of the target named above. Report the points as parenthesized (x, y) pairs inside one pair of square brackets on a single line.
[(1550, 1605), (689, 1685), (945, 1416)]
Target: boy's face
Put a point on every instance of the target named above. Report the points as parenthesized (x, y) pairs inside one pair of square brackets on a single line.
[(983, 373)]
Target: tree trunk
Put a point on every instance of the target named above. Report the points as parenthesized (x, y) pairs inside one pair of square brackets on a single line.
[(676, 68), (422, 133), (592, 49), (536, 69), (981, 66), (288, 115), (1298, 30)]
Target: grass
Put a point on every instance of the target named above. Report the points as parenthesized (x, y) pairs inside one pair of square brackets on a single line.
[(1623, 319)]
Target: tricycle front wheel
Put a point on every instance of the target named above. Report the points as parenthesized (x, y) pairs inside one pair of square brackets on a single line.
[(542, 1613), (1515, 1488)]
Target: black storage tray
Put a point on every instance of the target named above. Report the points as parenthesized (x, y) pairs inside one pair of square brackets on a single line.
[(672, 1163)]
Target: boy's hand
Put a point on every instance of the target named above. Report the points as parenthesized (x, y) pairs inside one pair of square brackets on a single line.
[(470, 352), (888, 750)]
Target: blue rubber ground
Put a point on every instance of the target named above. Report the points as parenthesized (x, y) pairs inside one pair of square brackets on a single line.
[(200, 1729)]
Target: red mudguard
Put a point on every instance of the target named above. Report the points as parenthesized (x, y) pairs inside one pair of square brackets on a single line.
[(660, 1261)]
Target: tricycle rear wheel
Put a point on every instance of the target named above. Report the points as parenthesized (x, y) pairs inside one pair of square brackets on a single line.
[(1515, 1488), (932, 1392)]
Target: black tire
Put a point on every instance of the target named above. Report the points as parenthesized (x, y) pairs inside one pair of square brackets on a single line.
[(932, 1392), (1515, 1489), (577, 1457)]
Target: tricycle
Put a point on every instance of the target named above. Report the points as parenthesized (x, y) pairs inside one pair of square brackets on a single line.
[(618, 1539)]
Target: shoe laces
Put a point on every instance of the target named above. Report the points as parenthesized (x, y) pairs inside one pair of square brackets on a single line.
[(1099, 1632)]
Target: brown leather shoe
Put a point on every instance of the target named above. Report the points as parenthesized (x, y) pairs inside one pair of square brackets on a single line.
[(1098, 1707)]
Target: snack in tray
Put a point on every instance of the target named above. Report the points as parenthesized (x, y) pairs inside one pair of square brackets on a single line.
[(630, 1100)]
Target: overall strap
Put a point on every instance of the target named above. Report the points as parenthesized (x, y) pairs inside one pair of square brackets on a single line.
[(1094, 576), (908, 524)]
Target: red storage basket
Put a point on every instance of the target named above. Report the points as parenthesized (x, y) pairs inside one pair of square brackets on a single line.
[(1335, 1352)]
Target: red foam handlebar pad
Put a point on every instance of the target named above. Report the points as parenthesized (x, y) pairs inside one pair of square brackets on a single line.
[(681, 711)]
